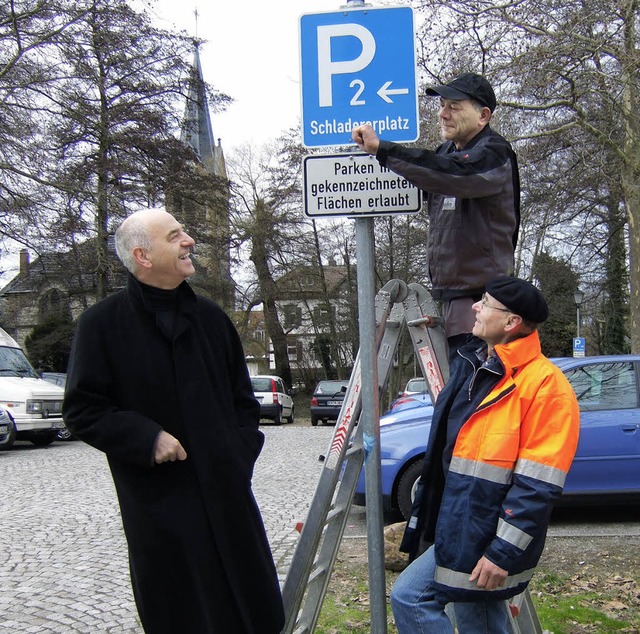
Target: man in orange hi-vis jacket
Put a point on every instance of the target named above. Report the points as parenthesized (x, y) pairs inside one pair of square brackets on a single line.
[(503, 436)]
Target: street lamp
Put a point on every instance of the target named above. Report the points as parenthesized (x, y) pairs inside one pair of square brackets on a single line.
[(578, 296)]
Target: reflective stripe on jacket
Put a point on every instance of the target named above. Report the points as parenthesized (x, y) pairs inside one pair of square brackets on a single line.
[(509, 464)]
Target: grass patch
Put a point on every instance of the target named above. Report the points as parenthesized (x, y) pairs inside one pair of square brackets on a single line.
[(566, 615), (586, 603), (346, 606), (579, 588)]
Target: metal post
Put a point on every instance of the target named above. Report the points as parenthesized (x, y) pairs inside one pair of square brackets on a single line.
[(369, 419), (578, 296), (578, 320)]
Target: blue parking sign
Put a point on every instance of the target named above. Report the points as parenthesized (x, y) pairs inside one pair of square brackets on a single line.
[(358, 66)]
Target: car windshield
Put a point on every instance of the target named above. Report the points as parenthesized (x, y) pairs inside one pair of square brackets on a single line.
[(261, 384), (14, 363), (330, 387)]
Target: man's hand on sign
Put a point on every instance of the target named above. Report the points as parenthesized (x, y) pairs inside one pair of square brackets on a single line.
[(366, 138)]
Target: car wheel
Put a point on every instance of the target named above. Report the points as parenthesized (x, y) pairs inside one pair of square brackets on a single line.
[(314, 421), (407, 488), (10, 439), (290, 417), (43, 440), (277, 419)]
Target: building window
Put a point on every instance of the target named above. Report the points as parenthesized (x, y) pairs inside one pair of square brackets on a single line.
[(52, 305), (292, 316), (322, 315), (294, 351)]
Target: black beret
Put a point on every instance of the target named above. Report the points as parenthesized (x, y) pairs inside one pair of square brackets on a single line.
[(520, 297)]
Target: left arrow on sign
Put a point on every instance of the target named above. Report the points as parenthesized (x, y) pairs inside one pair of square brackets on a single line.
[(385, 91)]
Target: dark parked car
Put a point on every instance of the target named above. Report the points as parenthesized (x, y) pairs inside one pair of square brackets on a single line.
[(7, 431), (606, 469), (327, 400), (60, 379)]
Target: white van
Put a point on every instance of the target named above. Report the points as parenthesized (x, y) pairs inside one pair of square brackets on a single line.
[(34, 405)]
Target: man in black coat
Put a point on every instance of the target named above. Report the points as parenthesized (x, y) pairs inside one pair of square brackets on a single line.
[(158, 381)]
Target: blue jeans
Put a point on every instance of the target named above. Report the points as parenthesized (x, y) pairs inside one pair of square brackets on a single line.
[(416, 610)]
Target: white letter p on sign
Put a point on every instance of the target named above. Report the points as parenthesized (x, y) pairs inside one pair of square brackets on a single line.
[(327, 68)]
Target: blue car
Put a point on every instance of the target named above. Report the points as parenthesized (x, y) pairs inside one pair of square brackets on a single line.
[(606, 468)]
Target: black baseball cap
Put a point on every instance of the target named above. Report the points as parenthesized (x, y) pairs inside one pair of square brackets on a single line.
[(467, 86)]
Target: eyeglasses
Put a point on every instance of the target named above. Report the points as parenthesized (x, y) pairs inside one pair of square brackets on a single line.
[(483, 303)]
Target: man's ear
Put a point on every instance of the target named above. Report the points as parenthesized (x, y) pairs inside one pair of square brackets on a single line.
[(485, 116), (141, 257), (513, 324)]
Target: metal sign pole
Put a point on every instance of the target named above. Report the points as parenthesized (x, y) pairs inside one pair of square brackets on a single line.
[(369, 419)]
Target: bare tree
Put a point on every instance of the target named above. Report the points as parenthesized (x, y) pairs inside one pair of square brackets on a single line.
[(93, 97), (568, 74), (268, 219)]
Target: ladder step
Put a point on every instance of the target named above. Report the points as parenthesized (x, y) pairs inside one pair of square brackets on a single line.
[(430, 322), (334, 513), (318, 572), (353, 450)]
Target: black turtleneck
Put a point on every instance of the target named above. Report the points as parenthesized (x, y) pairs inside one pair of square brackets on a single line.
[(164, 303)]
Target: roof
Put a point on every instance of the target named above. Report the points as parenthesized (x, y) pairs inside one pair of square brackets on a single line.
[(73, 270), (307, 281)]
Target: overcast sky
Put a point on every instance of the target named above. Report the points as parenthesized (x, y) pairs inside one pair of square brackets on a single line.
[(250, 53)]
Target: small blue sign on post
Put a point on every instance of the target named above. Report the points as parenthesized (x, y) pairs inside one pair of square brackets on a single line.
[(579, 346), (358, 66)]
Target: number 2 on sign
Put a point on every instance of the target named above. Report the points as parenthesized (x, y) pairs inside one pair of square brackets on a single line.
[(355, 100)]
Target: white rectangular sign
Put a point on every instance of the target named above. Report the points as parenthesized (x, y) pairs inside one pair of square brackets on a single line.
[(355, 185)]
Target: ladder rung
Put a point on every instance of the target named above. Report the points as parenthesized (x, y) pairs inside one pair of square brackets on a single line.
[(335, 512), (353, 450), (318, 572), (428, 321)]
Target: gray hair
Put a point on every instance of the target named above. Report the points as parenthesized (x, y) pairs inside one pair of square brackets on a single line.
[(132, 233)]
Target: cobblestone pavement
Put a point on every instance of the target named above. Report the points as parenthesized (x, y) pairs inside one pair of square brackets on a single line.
[(63, 564)]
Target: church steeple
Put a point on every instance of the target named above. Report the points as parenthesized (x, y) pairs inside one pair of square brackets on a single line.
[(200, 196), (197, 131)]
